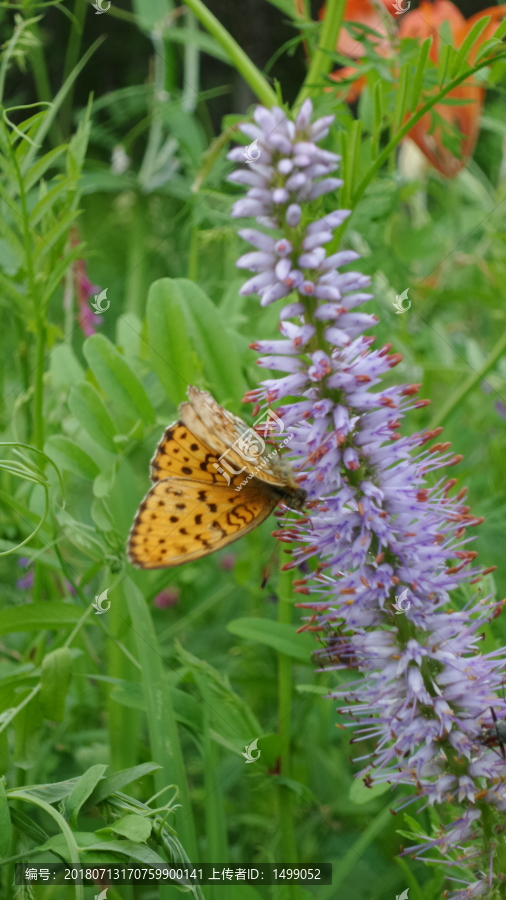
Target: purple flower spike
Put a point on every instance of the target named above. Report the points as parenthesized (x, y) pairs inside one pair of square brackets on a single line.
[(384, 542)]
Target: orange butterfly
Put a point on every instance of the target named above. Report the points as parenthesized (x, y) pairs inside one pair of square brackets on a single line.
[(215, 481)]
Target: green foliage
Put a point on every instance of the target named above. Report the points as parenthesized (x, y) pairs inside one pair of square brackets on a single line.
[(55, 676)]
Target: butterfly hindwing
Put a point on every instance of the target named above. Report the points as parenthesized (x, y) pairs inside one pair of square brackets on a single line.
[(181, 519)]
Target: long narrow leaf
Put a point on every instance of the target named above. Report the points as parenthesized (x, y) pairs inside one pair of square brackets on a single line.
[(57, 102), (162, 726)]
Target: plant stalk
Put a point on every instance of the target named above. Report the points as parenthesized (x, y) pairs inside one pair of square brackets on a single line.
[(467, 386), (288, 846), (321, 62), (258, 84)]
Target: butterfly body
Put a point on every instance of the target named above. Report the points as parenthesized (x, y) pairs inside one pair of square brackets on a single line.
[(214, 482)]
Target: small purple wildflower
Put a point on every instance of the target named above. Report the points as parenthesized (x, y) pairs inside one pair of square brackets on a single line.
[(227, 562), (376, 528), (167, 598), (85, 289), (25, 583)]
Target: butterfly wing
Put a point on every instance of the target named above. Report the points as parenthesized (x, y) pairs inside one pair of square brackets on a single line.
[(235, 443), (182, 454), (181, 519)]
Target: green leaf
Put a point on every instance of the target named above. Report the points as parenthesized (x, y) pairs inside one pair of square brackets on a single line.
[(104, 482), (27, 826), (232, 722), (5, 823), (419, 73), (57, 102), (27, 723), (5, 754), (89, 841), (204, 42), (119, 780), (172, 354), (71, 457), (48, 200), (359, 793), (151, 12), (117, 380), (34, 616), (56, 674), (282, 638), (162, 725), (465, 48), (129, 693), (41, 166), (221, 362), (91, 412), (51, 793), (83, 789), (270, 746), (134, 827), (65, 368)]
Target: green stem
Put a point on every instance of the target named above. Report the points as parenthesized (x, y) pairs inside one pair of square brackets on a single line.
[(38, 397), (191, 68), (193, 261), (322, 62), (42, 83), (258, 84), (62, 824), (13, 713), (71, 57), (470, 383), (288, 846)]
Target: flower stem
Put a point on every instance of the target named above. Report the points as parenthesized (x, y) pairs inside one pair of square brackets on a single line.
[(238, 57), (289, 851), (459, 395), (322, 62), (38, 399)]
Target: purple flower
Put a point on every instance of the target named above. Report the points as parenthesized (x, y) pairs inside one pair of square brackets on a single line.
[(167, 598), (85, 289), (227, 562), (382, 526), (25, 583)]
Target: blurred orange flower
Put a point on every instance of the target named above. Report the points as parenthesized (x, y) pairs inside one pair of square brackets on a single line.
[(425, 21), (421, 23)]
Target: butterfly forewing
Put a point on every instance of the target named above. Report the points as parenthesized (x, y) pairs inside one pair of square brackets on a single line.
[(181, 454), (238, 447), (181, 520)]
